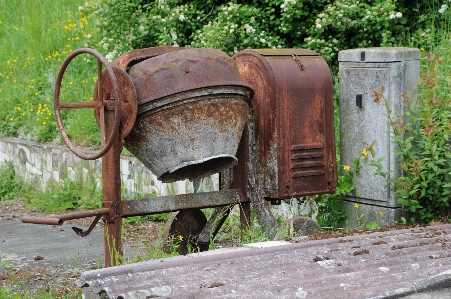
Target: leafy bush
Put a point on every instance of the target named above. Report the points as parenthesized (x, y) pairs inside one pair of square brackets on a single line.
[(422, 134), (324, 26)]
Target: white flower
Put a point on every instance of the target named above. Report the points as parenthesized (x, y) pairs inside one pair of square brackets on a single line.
[(392, 16), (141, 28), (249, 29), (173, 35), (109, 57), (318, 26), (231, 30), (263, 40), (443, 8), (399, 14), (181, 17)]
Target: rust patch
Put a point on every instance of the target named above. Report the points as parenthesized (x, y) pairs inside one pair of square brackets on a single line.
[(379, 243), (216, 284), (345, 241), (361, 252), (320, 258)]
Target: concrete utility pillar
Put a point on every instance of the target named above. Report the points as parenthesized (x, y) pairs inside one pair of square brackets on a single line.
[(363, 71)]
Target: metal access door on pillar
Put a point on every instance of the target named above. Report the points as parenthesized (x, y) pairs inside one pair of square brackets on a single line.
[(364, 121)]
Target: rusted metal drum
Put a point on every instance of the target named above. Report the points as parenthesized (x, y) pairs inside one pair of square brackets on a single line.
[(192, 107)]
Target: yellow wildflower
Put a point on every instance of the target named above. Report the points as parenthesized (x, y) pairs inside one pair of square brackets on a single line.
[(346, 168), (365, 153), (381, 214), (180, 237), (356, 206)]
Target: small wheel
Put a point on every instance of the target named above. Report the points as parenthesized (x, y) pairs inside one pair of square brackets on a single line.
[(98, 104), (182, 230)]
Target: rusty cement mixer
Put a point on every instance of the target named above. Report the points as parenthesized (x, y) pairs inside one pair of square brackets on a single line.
[(182, 113)]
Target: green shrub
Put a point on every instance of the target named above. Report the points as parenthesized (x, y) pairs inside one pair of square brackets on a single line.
[(323, 26), (422, 134)]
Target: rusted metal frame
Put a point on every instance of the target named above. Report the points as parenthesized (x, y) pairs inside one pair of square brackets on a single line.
[(42, 220), (213, 225), (255, 191), (78, 105), (240, 174), (181, 202), (59, 219), (111, 182), (83, 214), (219, 215), (83, 233)]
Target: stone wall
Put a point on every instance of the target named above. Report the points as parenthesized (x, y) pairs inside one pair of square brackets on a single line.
[(42, 164)]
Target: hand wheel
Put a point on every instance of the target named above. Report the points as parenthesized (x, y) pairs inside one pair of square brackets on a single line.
[(99, 104)]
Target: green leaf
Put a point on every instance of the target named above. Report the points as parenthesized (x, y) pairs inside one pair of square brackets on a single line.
[(372, 225)]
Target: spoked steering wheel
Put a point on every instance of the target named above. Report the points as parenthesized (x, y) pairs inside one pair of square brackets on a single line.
[(108, 95)]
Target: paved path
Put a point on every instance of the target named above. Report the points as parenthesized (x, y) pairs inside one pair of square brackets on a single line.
[(43, 245)]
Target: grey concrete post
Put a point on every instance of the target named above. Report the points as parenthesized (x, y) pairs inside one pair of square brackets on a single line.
[(363, 71)]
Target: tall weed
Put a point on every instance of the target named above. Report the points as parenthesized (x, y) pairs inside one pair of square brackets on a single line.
[(422, 135)]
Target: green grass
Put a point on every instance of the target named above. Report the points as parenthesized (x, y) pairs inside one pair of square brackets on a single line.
[(35, 37)]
